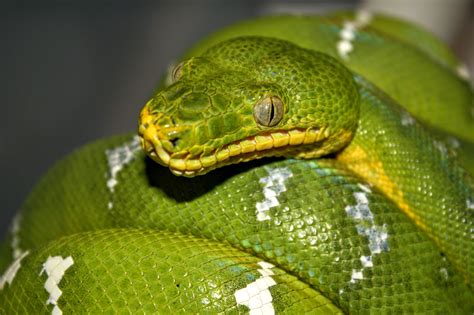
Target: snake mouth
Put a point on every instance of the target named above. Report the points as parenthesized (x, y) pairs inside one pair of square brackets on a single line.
[(299, 141)]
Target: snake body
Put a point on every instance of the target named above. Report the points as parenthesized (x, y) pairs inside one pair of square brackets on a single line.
[(361, 205)]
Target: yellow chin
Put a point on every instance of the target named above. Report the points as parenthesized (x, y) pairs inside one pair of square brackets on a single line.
[(298, 143)]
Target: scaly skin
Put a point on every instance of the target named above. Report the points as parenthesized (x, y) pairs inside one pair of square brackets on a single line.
[(426, 84), (383, 224)]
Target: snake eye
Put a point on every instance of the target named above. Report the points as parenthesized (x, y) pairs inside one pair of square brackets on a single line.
[(269, 111), (177, 72)]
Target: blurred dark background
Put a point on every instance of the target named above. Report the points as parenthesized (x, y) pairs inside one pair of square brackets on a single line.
[(75, 71)]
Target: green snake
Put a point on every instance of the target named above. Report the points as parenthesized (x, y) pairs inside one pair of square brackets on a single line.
[(359, 206)]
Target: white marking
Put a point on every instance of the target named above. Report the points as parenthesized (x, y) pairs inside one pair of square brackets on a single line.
[(356, 275), (366, 261), (256, 295), (15, 244), (11, 271), (453, 142), (117, 158), (344, 48), (18, 254), (444, 272), (347, 33), (55, 268), (470, 204), (463, 72), (365, 188), (377, 235), (453, 145), (441, 147), (361, 198), (274, 186), (363, 18), (407, 119)]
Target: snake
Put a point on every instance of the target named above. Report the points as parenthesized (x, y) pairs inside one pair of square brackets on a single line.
[(286, 164)]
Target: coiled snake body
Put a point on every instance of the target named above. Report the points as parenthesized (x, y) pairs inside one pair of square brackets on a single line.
[(361, 208)]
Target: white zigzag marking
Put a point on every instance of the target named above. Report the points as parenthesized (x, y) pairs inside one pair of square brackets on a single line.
[(18, 254), (274, 186), (55, 267), (377, 235), (347, 33), (117, 158), (256, 295)]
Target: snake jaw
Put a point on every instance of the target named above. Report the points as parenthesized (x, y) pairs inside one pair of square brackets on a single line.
[(149, 137), (300, 142), (153, 147)]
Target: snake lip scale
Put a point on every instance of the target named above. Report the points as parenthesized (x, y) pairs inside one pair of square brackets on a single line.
[(268, 143)]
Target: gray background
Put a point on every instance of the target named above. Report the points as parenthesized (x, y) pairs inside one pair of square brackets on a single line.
[(75, 71)]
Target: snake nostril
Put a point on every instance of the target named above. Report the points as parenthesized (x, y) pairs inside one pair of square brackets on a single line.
[(174, 141), (170, 144)]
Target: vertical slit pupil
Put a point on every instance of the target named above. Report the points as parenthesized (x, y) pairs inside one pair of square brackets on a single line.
[(272, 111)]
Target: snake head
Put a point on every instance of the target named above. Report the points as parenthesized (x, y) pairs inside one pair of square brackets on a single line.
[(248, 98)]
